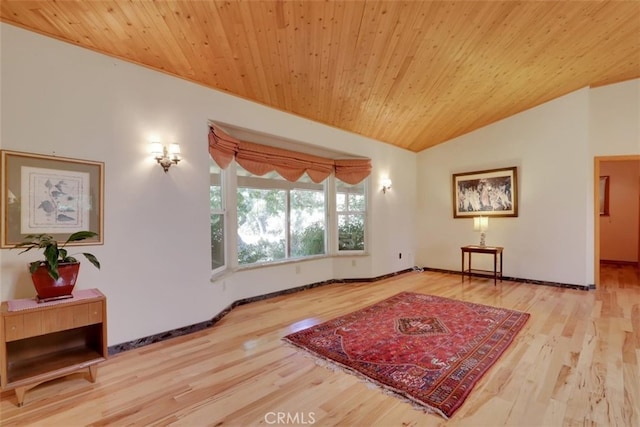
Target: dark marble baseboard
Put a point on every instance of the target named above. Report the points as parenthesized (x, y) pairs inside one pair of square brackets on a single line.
[(141, 342), (518, 279)]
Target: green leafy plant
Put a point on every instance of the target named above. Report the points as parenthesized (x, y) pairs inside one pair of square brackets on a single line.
[(54, 253)]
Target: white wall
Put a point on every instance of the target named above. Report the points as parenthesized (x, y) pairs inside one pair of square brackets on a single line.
[(60, 99), (553, 146), (614, 119), (546, 241)]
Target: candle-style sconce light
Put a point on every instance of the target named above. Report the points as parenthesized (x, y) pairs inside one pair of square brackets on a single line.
[(165, 156)]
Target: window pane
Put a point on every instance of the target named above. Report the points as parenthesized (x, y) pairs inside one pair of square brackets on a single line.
[(351, 232), (217, 216), (217, 241), (215, 196), (356, 202), (307, 222), (341, 201), (350, 198), (261, 225), (351, 206)]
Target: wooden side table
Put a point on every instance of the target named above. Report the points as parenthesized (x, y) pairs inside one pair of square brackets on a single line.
[(40, 342), (492, 250)]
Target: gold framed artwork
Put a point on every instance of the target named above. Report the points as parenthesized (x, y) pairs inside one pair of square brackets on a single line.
[(491, 192), (49, 195)]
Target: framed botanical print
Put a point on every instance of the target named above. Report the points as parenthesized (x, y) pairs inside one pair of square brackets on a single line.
[(49, 195)]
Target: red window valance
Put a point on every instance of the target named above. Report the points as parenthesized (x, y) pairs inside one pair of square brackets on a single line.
[(291, 165)]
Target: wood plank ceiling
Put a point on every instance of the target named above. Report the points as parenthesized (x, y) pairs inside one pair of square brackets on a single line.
[(410, 73)]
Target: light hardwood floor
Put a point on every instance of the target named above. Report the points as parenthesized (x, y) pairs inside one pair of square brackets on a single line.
[(576, 362)]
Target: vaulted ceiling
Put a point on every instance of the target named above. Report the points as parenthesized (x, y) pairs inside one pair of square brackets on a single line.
[(410, 73)]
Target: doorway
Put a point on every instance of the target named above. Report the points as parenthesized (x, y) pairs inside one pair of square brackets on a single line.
[(601, 206)]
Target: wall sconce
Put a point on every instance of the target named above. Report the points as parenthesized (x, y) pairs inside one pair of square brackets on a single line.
[(165, 156), (481, 224), (386, 185)]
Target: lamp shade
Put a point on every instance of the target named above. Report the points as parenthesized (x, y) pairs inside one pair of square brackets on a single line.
[(174, 149), (480, 223), (156, 149)]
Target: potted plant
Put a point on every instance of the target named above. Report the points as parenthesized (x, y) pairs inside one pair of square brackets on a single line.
[(55, 276)]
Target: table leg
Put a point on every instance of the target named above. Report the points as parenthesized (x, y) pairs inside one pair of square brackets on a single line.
[(495, 268), (20, 391), (462, 268), (93, 373)]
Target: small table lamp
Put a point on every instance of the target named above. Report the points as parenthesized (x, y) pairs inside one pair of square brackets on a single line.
[(481, 224)]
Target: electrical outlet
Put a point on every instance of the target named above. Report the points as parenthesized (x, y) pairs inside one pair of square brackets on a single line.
[(353, 263), (297, 269)]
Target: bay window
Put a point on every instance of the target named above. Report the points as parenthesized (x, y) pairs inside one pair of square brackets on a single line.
[(280, 201)]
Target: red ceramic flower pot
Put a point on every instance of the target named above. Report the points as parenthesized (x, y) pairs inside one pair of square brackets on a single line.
[(48, 288)]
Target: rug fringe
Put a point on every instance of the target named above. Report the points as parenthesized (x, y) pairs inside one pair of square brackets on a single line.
[(389, 391)]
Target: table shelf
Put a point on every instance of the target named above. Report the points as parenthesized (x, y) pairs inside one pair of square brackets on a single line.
[(50, 366)]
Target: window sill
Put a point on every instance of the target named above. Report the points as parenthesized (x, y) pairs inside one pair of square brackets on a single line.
[(228, 272)]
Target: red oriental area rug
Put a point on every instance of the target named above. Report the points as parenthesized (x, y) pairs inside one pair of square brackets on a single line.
[(427, 349)]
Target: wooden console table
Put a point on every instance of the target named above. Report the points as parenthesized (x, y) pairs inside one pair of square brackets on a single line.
[(492, 250), (40, 342)]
